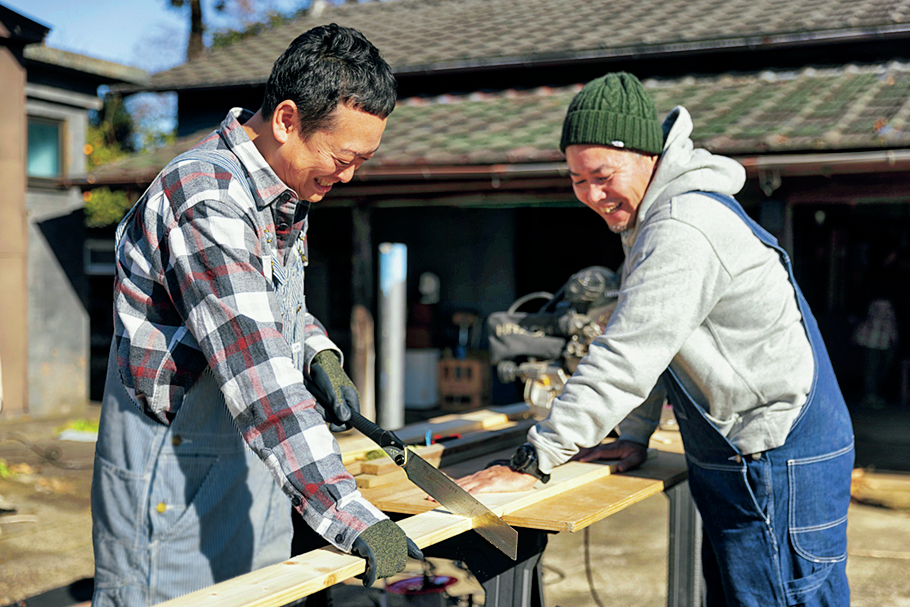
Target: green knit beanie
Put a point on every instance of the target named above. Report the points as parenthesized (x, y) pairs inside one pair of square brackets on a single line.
[(613, 110)]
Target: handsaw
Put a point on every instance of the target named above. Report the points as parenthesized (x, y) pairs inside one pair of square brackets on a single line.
[(441, 488)]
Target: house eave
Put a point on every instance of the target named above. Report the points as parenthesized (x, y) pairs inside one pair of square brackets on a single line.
[(780, 41)]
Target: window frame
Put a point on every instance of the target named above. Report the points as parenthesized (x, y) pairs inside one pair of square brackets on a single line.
[(36, 180)]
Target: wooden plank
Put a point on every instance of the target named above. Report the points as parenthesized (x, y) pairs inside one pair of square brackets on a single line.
[(599, 499), (383, 465), (305, 574), (560, 510), (375, 467), (412, 500), (384, 471), (370, 481)]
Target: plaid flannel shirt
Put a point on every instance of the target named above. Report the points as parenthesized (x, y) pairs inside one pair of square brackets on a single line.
[(194, 289)]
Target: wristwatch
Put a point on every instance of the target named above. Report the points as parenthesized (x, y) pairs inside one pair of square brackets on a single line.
[(525, 460)]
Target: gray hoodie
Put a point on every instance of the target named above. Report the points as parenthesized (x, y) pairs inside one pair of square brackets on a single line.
[(702, 295)]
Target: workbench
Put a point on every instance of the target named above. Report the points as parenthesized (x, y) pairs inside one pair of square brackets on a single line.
[(578, 495), (518, 583)]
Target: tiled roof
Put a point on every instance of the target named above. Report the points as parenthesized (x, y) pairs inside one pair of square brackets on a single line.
[(854, 107), (415, 35), (811, 110), (106, 70)]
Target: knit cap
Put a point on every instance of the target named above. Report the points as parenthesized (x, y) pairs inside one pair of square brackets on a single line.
[(613, 110)]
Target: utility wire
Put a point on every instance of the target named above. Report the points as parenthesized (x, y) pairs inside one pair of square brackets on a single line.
[(49, 455), (588, 572)]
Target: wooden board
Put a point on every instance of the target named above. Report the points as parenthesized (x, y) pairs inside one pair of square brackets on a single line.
[(409, 499), (599, 499), (305, 574), (553, 507)]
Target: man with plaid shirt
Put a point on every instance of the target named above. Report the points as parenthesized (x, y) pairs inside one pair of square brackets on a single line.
[(207, 428)]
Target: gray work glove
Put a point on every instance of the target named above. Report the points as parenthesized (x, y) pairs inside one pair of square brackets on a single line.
[(335, 393), (386, 549)]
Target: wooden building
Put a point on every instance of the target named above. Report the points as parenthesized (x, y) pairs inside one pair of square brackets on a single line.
[(44, 294), (813, 98)]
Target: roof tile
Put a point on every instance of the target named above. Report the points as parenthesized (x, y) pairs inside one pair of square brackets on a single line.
[(853, 107), (415, 34)]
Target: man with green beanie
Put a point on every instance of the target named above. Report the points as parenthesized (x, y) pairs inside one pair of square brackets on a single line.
[(710, 319)]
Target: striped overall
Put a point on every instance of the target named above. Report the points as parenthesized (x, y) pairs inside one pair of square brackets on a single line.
[(177, 508)]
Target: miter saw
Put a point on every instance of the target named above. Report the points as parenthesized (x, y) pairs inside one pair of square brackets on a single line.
[(543, 348)]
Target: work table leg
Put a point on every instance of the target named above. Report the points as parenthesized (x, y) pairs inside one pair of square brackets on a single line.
[(506, 583), (685, 584)]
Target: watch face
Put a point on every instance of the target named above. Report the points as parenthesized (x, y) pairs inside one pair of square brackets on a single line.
[(522, 457)]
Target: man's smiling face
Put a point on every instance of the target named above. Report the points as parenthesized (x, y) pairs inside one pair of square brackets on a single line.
[(610, 181), (312, 165)]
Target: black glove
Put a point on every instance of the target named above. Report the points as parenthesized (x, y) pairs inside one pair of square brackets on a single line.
[(386, 549), (335, 393)]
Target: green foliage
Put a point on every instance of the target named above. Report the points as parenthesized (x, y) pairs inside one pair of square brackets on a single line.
[(98, 149), (150, 138), (110, 134), (79, 425), (112, 125), (5, 472), (105, 207)]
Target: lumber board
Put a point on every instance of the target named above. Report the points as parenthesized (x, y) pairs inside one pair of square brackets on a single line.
[(559, 509), (410, 499), (376, 467), (303, 575), (431, 453), (369, 481), (300, 576), (576, 510)]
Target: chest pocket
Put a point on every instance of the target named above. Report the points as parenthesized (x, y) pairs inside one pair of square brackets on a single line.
[(288, 281)]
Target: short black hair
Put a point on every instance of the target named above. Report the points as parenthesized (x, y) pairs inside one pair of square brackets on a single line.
[(325, 66)]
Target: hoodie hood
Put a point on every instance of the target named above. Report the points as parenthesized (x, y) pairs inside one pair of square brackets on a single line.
[(682, 168)]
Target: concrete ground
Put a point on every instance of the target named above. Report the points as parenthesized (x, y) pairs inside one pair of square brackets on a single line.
[(46, 553)]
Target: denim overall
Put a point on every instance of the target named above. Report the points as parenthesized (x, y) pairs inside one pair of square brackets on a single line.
[(775, 523), (177, 508)]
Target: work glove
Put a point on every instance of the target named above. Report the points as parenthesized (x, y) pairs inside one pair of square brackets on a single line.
[(335, 393), (386, 549)]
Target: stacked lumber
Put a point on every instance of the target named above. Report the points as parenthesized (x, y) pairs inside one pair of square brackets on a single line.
[(381, 470)]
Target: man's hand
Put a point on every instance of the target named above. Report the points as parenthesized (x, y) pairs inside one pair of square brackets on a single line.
[(386, 549), (497, 479), (336, 395), (630, 455)]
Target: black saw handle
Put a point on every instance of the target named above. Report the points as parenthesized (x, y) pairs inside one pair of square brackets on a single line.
[(383, 438)]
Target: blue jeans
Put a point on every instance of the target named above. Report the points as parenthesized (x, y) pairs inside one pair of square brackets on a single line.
[(775, 523)]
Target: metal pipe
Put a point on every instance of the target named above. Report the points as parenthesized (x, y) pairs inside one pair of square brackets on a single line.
[(393, 270)]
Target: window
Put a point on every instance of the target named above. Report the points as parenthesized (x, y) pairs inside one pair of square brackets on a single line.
[(45, 157), (99, 259)]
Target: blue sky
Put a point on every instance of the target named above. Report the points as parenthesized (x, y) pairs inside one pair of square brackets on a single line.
[(142, 33)]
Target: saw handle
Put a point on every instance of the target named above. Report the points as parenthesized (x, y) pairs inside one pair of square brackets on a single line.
[(383, 438)]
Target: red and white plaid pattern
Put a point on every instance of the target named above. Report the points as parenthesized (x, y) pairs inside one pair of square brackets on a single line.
[(194, 289)]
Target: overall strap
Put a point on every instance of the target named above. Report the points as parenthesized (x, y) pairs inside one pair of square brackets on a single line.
[(225, 161)]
